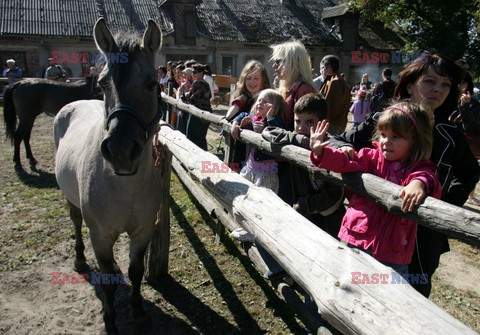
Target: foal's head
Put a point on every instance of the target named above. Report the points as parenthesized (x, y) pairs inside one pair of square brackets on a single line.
[(131, 94)]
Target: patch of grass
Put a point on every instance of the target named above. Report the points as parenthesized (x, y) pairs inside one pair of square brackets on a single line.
[(463, 305)]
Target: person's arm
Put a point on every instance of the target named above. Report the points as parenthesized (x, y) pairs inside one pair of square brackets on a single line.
[(356, 138), (195, 90), (182, 90), (18, 73), (237, 105), (232, 112), (420, 182), (465, 173), (235, 128), (277, 135)]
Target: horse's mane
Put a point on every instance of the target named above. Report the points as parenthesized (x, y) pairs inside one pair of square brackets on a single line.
[(128, 41)]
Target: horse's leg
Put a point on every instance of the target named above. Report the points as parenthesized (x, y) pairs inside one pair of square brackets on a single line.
[(17, 141), (80, 264), (26, 142), (138, 246), (103, 247)]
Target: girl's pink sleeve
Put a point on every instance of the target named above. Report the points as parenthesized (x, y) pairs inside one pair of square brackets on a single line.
[(426, 175), (335, 160)]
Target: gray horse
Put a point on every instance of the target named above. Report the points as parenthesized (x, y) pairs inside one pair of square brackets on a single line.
[(104, 161), (28, 98)]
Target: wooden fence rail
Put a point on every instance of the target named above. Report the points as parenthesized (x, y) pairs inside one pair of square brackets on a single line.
[(453, 221), (323, 266)]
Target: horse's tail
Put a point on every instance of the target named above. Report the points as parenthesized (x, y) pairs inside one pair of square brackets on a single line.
[(9, 112)]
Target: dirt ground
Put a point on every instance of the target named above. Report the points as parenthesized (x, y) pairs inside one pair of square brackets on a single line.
[(210, 289)]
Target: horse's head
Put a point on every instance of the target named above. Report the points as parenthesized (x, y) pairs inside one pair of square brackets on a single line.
[(131, 94)]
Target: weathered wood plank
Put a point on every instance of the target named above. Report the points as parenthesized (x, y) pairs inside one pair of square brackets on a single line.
[(316, 260), (159, 247), (451, 220), (311, 320)]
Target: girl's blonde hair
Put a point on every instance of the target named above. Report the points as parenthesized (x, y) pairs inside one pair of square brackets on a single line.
[(410, 121), (250, 67), (296, 64), (275, 98)]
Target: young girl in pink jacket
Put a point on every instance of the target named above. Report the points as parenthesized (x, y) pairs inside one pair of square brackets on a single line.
[(403, 144)]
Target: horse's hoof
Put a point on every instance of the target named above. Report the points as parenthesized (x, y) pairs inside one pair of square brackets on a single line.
[(18, 166), (33, 163), (80, 265), (143, 323)]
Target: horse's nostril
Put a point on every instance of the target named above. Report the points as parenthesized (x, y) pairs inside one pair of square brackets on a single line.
[(136, 151), (106, 151)]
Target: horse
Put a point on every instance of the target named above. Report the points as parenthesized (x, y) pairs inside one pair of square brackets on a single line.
[(27, 98), (104, 161)]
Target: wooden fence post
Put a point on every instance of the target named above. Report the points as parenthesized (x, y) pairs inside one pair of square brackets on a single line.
[(157, 256), (168, 119)]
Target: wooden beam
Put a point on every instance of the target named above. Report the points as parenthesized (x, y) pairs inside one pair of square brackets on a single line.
[(310, 319), (453, 221), (159, 247), (325, 267)]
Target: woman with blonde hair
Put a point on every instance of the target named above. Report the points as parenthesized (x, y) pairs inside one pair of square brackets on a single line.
[(293, 69)]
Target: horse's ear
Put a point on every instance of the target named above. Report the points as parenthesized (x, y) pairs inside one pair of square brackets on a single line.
[(103, 37), (152, 38)]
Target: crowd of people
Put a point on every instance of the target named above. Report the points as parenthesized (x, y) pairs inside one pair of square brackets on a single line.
[(420, 132)]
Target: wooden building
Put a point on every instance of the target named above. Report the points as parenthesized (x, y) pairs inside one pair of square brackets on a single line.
[(224, 33)]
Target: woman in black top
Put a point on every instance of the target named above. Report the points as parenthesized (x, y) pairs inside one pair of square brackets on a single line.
[(433, 82)]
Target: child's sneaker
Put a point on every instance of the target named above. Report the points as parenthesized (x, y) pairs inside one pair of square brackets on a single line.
[(242, 235)]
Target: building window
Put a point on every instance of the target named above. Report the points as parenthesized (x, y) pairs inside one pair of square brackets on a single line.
[(18, 56), (229, 65)]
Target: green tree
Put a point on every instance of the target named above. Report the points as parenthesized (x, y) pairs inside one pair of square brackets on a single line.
[(445, 26)]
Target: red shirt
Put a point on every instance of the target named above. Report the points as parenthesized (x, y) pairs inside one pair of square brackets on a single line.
[(298, 90)]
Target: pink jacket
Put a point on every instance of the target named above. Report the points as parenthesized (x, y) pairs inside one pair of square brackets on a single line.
[(367, 224)]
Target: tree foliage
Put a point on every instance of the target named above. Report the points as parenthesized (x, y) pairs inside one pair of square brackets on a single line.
[(445, 26)]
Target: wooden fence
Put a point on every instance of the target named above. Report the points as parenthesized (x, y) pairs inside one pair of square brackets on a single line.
[(320, 264)]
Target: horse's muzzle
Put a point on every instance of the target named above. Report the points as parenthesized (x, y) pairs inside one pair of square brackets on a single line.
[(123, 154)]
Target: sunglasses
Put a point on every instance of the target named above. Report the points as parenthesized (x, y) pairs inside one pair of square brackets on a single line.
[(277, 61)]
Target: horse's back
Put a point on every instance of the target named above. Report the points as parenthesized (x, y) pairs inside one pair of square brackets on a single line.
[(36, 95), (77, 131)]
